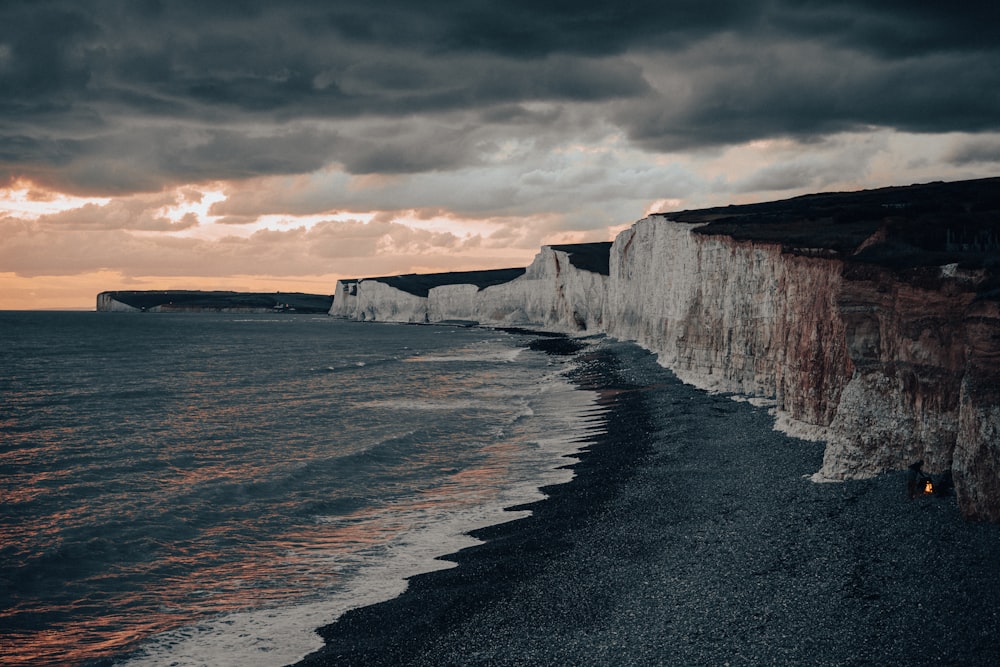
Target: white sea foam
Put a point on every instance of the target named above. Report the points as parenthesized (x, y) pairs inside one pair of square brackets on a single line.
[(430, 405), (469, 355)]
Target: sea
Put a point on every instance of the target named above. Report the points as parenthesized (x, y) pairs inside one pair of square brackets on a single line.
[(211, 488)]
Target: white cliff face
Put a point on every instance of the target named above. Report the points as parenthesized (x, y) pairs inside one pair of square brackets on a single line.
[(106, 303), (552, 293), (345, 300), (685, 297), (371, 300), (452, 302), (384, 303)]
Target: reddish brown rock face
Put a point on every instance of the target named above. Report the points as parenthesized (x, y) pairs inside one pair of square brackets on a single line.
[(907, 344), (819, 362), (976, 462)]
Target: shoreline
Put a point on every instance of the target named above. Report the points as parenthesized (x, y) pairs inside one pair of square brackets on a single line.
[(691, 534), (398, 630)]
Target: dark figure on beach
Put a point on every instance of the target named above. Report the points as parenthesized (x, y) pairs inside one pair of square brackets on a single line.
[(915, 479)]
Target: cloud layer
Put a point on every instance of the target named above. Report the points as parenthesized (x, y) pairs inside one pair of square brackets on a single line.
[(111, 97), (570, 117)]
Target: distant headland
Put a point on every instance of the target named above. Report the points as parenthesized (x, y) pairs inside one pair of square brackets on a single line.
[(197, 301)]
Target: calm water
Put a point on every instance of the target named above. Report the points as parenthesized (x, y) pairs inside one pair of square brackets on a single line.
[(209, 489)]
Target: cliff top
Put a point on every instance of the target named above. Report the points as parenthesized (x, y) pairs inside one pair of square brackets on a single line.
[(916, 225), (420, 284), (593, 257), (194, 299)]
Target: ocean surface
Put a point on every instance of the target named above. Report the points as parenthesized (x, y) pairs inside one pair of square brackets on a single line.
[(207, 489)]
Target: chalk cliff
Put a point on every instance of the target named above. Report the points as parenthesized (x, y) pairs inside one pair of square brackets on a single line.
[(107, 302), (733, 316), (553, 293), (871, 320)]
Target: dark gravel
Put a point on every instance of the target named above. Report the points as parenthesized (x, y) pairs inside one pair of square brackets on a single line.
[(691, 536)]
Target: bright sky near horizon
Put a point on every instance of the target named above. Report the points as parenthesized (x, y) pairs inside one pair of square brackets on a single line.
[(267, 146)]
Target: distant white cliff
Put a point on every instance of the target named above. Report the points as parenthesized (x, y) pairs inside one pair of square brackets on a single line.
[(107, 302), (885, 369), (551, 293)]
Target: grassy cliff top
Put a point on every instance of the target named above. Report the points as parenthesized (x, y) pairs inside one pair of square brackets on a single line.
[(212, 300), (420, 284), (593, 257), (930, 224)]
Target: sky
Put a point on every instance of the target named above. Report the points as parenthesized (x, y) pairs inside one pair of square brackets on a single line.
[(279, 146)]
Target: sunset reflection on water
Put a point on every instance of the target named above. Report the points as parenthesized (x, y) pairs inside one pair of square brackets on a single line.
[(223, 570)]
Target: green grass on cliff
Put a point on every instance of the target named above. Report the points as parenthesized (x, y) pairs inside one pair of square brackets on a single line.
[(899, 227), (421, 284)]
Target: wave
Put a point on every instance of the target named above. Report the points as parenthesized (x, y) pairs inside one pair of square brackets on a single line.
[(469, 355)]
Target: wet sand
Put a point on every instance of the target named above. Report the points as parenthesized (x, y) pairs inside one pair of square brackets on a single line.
[(690, 535)]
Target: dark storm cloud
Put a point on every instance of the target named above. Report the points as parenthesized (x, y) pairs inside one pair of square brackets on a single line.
[(112, 96), (977, 152), (892, 28), (734, 92)]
